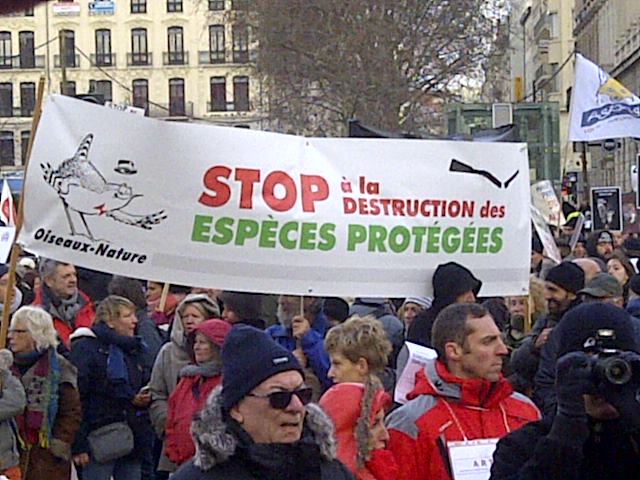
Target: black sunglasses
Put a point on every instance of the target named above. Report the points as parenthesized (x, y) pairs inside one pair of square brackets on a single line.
[(281, 400)]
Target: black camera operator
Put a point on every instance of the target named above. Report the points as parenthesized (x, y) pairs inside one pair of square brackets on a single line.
[(595, 433)]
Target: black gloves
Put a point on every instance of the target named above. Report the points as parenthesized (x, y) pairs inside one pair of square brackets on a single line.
[(573, 379)]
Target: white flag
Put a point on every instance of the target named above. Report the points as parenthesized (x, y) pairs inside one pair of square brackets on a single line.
[(7, 209), (601, 107)]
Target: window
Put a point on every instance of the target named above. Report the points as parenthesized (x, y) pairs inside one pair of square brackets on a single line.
[(138, 6), (6, 99), (68, 48), (7, 152), (141, 94), (103, 48), (101, 87), (25, 136), (28, 12), (554, 24), (218, 87), (239, 4), (174, 5), (216, 44), (139, 53), (5, 50), (27, 50), (176, 97), (176, 46), (69, 89), (240, 43), (27, 99), (241, 94), (216, 5)]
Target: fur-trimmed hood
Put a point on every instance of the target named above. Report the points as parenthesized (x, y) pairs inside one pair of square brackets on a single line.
[(215, 442)]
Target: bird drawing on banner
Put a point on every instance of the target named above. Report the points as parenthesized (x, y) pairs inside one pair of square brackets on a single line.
[(85, 192)]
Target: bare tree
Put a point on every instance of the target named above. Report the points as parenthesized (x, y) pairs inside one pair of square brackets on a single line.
[(387, 62)]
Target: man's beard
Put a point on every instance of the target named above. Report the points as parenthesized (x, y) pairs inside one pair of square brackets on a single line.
[(284, 317)]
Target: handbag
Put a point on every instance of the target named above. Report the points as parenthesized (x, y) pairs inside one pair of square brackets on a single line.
[(111, 442)]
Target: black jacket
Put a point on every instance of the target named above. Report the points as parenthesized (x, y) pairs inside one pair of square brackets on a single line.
[(567, 450), (225, 451), (103, 401), (450, 280)]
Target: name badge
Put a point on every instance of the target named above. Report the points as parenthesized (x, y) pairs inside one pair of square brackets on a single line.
[(472, 459)]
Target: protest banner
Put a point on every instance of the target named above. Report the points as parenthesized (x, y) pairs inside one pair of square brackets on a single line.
[(606, 208), (546, 237), (418, 357), (244, 210)]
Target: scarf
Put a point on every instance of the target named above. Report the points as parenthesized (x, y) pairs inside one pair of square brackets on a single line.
[(206, 370), (117, 369), (64, 309), (41, 383), (15, 302)]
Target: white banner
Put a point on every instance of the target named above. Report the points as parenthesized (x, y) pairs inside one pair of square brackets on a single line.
[(255, 211), (601, 107)]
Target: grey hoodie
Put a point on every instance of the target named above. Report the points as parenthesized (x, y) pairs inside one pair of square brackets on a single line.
[(172, 357)]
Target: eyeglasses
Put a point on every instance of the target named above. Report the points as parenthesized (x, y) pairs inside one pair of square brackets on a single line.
[(281, 400)]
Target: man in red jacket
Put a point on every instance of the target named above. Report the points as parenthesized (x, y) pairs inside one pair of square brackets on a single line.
[(60, 296), (461, 404)]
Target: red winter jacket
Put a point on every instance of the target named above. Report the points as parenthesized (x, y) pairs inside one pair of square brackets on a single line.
[(189, 397), (84, 317), (343, 404), (184, 403), (419, 430)]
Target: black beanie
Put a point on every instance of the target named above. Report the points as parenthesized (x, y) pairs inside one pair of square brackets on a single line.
[(568, 276), (247, 306), (579, 326), (249, 357)]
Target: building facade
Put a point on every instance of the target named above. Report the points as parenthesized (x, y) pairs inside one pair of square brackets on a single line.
[(176, 59), (608, 33), (541, 61)]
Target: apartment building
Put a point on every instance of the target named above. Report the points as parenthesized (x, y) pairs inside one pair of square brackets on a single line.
[(176, 59), (608, 33), (541, 60)]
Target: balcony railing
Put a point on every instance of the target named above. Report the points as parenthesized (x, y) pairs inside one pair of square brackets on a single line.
[(22, 62), (103, 59), (176, 109), (175, 58), (23, 111), (139, 59), (229, 107), (210, 57), (542, 28), (72, 61), (240, 56)]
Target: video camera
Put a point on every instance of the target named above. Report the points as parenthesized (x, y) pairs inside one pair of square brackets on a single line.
[(608, 363), (616, 374)]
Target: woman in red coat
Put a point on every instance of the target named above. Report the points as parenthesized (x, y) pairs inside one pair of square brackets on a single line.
[(357, 411), (197, 380)]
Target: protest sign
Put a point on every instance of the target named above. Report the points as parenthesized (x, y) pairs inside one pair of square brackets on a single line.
[(546, 237), (419, 356), (255, 211), (606, 208), (544, 198)]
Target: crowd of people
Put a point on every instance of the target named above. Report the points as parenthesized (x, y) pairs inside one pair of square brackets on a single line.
[(110, 377)]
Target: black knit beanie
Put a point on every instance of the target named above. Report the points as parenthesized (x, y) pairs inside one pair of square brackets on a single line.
[(247, 306), (579, 326), (249, 357), (568, 276)]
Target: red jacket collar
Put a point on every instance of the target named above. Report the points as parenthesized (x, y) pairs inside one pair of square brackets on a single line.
[(434, 379)]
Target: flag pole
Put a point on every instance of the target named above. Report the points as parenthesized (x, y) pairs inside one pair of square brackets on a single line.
[(585, 173), (15, 249)]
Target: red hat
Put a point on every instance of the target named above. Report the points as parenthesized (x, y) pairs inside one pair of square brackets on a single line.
[(214, 329)]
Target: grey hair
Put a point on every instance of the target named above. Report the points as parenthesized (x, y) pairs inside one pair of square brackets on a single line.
[(47, 267), (39, 324)]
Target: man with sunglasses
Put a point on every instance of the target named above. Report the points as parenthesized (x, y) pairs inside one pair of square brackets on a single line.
[(261, 424)]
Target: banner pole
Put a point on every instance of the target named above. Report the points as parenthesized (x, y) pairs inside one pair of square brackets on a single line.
[(163, 297), (15, 249), (585, 173)]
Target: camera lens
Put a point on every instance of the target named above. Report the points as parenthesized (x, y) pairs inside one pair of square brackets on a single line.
[(617, 371)]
